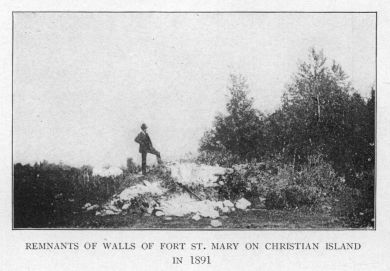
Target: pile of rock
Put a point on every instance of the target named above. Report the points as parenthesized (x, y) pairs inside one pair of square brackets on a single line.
[(153, 198), (184, 204), (192, 174)]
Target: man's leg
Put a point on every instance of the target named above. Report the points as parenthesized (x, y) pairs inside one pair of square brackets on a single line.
[(157, 153), (143, 154)]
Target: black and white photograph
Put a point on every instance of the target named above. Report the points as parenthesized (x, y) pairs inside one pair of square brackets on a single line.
[(194, 120)]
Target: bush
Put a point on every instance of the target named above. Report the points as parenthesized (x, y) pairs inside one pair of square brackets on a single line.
[(234, 186), (317, 173), (357, 203), (275, 200), (48, 195), (131, 167), (297, 196), (282, 186), (292, 196), (303, 187)]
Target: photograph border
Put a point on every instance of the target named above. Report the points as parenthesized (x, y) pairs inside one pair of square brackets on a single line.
[(205, 229)]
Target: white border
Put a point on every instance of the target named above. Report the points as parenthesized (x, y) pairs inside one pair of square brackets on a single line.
[(375, 244)]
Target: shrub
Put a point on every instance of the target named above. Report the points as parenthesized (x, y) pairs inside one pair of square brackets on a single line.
[(251, 181), (234, 187), (317, 173), (297, 196), (281, 185), (303, 187), (357, 203), (275, 200), (47, 195), (131, 167)]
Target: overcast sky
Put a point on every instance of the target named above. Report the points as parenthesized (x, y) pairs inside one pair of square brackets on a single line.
[(84, 83)]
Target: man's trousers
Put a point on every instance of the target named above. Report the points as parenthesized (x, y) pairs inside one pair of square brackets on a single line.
[(144, 154)]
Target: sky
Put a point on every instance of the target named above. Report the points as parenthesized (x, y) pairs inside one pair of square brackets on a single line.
[(84, 83)]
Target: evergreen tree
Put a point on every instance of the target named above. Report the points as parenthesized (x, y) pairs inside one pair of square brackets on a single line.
[(237, 134)]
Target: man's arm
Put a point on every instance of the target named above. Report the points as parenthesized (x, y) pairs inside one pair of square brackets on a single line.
[(138, 138)]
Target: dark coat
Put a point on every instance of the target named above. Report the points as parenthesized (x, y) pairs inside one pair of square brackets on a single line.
[(145, 144)]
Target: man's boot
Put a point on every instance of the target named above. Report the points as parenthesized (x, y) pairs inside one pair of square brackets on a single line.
[(159, 161)]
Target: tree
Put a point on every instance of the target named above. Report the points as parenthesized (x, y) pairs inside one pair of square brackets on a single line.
[(313, 105), (237, 134), (322, 113), (370, 131), (131, 167)]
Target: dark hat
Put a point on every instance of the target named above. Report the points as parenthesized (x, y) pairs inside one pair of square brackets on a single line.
[(143, 126)]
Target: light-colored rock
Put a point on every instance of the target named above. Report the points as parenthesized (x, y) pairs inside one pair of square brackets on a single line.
[(215, 223), (86, 205), (126, 206), (112, 208), (159, 213), (242, 204), (193, 174), (183, 204), (228, 203), (150, 210), (108, 212), (93, 207), (225, 209), (211, 214), (196, 217)]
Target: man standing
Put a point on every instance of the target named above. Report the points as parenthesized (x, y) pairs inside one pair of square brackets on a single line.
[(145, 147)]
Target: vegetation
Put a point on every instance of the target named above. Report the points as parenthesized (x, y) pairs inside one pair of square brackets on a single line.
[(311, 163), (322, 137), (49, 195)]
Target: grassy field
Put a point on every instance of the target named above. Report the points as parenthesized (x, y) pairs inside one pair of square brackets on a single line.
[(250, 219), (49, 196)]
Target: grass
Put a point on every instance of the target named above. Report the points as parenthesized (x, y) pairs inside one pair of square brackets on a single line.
[(251, 219), (50, 196)]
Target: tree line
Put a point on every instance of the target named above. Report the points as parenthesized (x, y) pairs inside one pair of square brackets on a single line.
[(320, 114)]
